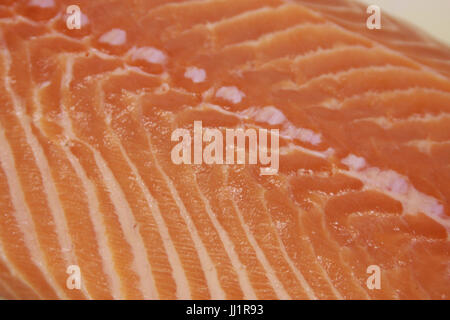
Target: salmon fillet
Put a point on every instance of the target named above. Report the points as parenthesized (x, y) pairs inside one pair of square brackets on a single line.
[(87, 178)]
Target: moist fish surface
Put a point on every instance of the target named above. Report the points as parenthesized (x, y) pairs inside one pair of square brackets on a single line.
[(87, 181)]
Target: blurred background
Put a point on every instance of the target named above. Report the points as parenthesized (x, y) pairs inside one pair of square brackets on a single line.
[(432, 16)]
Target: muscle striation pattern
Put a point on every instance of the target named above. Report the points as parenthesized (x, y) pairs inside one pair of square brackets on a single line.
[(86, 177)]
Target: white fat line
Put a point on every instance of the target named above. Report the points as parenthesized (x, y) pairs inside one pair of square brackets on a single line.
[(70, 135), (243, 15), (387, 24), (425, 45), (8, 291), (148, 286), (396, 186), (272, 116), (393, 92), (335, 104), (39, 159), (125, 69), (16, 273), (322, 269), (249, 293), (387, 123), (183, 290), (374, 69), (22, 214), (375, 44), (55, 205), (206, 263), (99, 227), (297, 273), (42, 3), (174, 261), (310, 54), (19, 18), (266, 38), (425, 146), (127, 220), (176, 4), (193, 3), (337, 7), (345, 265), (276, 284)]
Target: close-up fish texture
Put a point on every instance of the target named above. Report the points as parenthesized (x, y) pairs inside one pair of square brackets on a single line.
[(222, 149)]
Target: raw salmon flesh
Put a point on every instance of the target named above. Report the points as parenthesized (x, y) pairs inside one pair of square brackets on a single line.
[(359, 207)]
